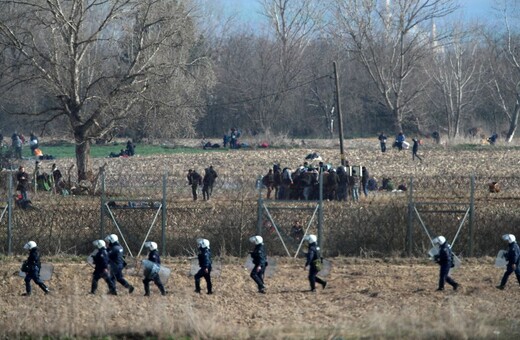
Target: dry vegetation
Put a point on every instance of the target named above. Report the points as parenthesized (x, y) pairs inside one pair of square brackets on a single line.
[(374, 295), (376, 298)]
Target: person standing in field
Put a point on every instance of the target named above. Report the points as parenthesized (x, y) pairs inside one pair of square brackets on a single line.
[(445, 259), (355, 186), (153, 256), (259, 261), (268, 182), (382, 142), (32, 267), (313, 262), (415, 148), (194, 179), (365, 176), (101, 262), (513, 260), (204, 258), (23, 182)]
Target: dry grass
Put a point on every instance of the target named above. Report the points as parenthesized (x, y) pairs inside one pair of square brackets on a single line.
[(372, 298)]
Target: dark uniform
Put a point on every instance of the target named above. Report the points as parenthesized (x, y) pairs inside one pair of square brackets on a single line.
[(312, 256), (154, 257), (204, 271), (513, 260), (115, 256), (444, 259), (101, 262), (33, 266), (260, 261), (194, 179), (382, 142)]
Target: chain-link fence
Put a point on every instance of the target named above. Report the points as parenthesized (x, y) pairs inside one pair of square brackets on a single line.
[(375, 226)]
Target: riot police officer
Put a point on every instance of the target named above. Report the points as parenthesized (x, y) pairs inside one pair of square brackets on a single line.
[(513, 259), (445, 259), (313, 257), (32, 267), (153, 256), (205, 266), (117, 262), (101, 262), (259, 261)]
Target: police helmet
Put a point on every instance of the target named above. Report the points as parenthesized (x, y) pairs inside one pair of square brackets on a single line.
[(510, 238), (150, 245), (30, 245), (440, 240), (112, 238), (99, 244), (203, 243), (256, 239), (311, 239)]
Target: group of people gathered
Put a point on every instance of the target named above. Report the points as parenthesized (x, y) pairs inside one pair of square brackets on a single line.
[(207, 182), (304, 182)]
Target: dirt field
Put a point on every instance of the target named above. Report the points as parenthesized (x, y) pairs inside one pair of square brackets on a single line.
[(365, 298)]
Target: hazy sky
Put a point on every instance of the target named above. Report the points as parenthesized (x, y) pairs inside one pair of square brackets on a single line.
[(248, 9)]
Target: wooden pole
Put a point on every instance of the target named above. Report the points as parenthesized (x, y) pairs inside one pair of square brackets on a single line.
[(340, 119)]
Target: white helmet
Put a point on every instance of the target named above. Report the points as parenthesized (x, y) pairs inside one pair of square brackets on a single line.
[(510, 238), (30, 245), (440, 240), (150, 245), (112, 238), (311, 239), (203, 243), (99, 244), (256, 239)]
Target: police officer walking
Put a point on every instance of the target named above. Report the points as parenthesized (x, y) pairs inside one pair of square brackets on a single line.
[(32, 268), (259, 261), (101, 262), (117, 262), (313, 257), (153, 256), (444, 259), (205, 266), (513, 260)]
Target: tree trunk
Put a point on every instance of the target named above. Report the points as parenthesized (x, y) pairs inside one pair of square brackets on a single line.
[(83, 160), (513, 123)]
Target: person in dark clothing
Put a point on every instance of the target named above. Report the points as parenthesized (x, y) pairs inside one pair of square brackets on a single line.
[(117, 262), (268, 182), (297, 231), (210, 175), (493, 138), (153, 256), (23, 182), (130, 148), (101, 263), (32, 268), (365, 176), (313, 256), (194, 179), (33, 142), (277, 175), (445, 260), (513, 260), (415, 148), (399, 140), (259, 261), (382, 141), (57, 179), (205, 266), (332, 185)]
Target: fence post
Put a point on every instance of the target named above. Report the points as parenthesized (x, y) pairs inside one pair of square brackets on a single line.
[(10, 215), (409, 231), (163, 216), (471, 213), (102, 210), (259, 219), (320, 214)]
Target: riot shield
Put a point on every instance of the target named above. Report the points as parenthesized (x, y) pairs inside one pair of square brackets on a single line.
[(45, 272), (501, 261), (149, 268), (269, 270), (326, 267)]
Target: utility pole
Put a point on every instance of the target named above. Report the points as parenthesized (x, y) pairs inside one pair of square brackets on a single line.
[(340, 120)]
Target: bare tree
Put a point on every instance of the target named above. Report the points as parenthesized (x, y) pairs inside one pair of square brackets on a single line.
[(504, 64), (101, 63), (391, 39), (456, 72)]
